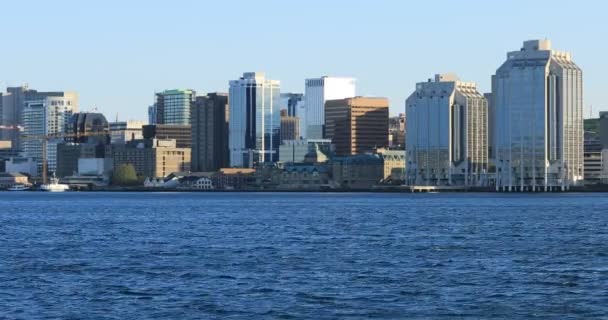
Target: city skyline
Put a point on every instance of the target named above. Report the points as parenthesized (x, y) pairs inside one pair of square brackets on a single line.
[(118, 68)]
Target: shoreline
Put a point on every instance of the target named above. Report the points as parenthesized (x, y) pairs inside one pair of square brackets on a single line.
[(393, 189)]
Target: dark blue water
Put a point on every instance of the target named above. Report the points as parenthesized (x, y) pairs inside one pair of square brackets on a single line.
[(303, 256)]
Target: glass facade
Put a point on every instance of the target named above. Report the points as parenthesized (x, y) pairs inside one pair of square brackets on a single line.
[(174, 106), (447, 140), (539, 120), (255, 120)]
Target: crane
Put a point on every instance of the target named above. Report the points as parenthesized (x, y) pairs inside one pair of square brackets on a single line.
[(46, 138)]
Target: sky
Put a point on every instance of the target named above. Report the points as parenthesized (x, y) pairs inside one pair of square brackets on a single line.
[(117, 54)]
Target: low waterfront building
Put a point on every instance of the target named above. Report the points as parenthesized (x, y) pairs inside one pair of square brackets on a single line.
[(393, 163), (12, 178), (357, 172), (305, 176), (234, 178), (154, 158)]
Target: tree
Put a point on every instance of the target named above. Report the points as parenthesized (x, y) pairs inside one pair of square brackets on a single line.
[(125, 175)]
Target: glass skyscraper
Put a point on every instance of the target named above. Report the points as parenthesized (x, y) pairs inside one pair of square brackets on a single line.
[(537, 114), (447, 134), (174, 106), (255, 120)]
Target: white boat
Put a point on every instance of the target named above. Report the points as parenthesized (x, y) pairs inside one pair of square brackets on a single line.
[(19, 187), (54, 186)]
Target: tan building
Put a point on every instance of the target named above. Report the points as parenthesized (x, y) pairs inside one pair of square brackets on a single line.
[(159, 159), (290, 127), (357, 125), (394, 164), (12, 178)]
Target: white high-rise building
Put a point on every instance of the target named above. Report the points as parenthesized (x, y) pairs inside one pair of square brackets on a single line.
[(447, 134), (48, 116), (537, 111), (255, 120), (317, 92)]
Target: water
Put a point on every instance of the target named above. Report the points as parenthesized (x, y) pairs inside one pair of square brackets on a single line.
[(303, 256)]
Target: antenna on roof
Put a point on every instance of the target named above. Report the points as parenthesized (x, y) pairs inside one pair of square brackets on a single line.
[(116, 116)]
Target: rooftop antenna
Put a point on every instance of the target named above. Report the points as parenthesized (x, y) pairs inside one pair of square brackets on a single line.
[(116, 116)]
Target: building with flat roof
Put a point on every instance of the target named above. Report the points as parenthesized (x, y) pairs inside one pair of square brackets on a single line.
[(357, 125), (290, 127), (255, 121), (50, 115), (210, 116), (538, 120), (173, 106), (182, 134), (447, 135), (317, 92), (122, 132), (158, 159)]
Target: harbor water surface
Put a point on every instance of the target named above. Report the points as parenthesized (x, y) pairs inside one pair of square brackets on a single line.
[(303, 256)]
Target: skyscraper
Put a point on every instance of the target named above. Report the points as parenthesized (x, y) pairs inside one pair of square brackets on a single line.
[(538, 117), (173, 106), (446, 133), (290, 127), (255, 121), (48, 116), (210, 116), (293, 103), (357, 125), (13, 102), (317, 92)]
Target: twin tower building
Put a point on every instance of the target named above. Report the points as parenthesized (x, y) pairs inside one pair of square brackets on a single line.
[(526, 135)]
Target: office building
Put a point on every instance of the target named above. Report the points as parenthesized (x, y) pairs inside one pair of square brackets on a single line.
[(49, 116), (396, 131), (317, 93), (122, 132), (603, 129), (293, 103), (538, 117), (210, 116), (152, 114), (357, 125), (255, 122), (290, 127), (446, 134), (157, 159), (88, 127), (27, 166), (295, 151), (13, 102), (173, 106), (182, 134), (592, 158)]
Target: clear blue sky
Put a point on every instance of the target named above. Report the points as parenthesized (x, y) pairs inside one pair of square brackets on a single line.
[(116, 54)]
